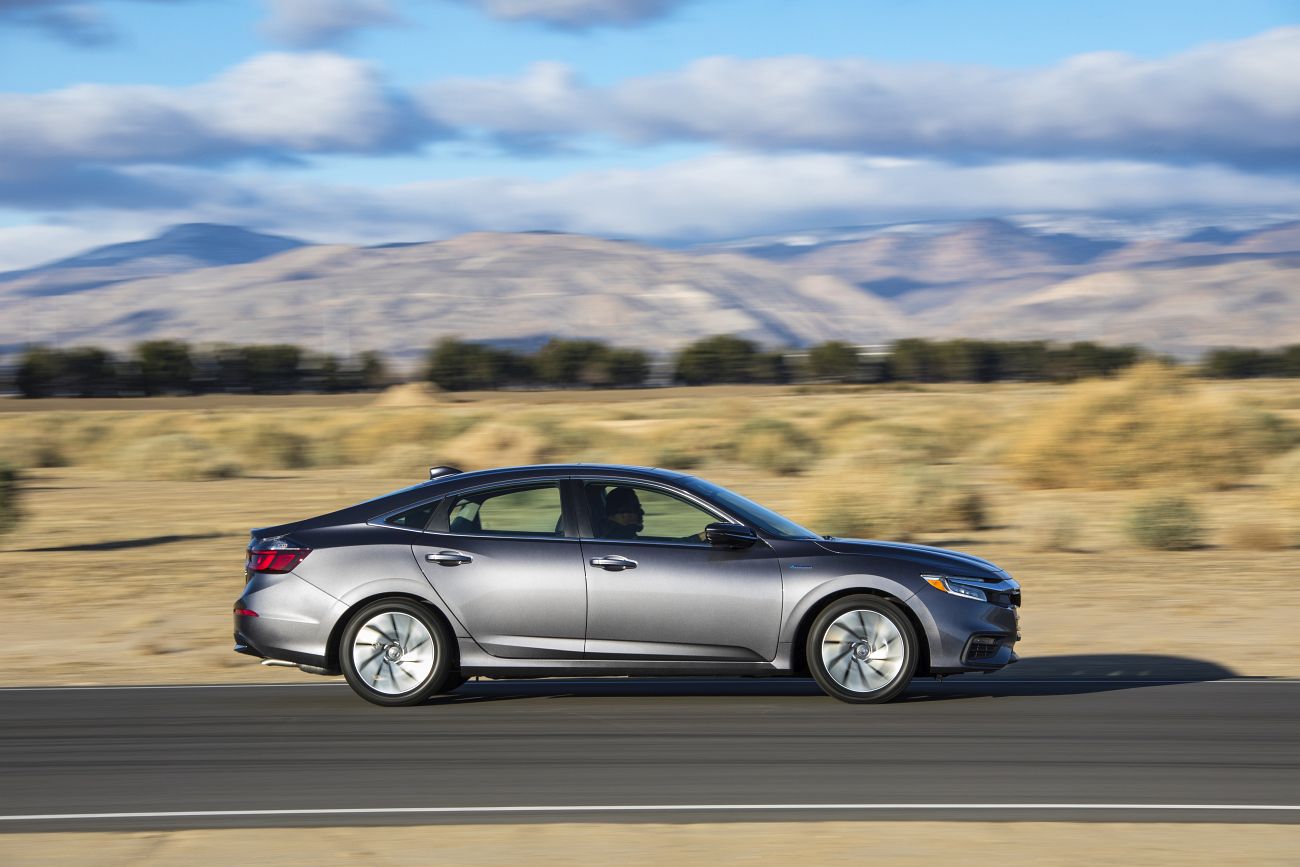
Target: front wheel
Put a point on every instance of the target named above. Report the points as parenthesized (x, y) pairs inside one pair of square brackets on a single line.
[(862, 649), (395, 652)]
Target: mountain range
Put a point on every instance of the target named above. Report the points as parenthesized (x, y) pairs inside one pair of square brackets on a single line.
[(978, 278)]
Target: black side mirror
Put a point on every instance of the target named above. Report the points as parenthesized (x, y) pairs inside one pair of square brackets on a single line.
[(725, 535)]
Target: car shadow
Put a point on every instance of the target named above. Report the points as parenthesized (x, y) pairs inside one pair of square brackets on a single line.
[(1037, 676)]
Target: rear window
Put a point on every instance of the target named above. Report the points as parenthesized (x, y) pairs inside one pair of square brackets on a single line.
[(416, 518)]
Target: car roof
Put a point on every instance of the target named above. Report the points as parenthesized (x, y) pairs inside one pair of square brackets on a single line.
[(555, 470)]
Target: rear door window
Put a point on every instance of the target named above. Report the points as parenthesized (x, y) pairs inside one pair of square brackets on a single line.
[(520, 510)]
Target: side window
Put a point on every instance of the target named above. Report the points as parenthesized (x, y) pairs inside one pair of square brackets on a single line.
[(633, 512), (532, 510), (414, 519)]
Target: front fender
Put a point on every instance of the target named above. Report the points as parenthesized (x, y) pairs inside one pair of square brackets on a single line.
[(806, 598)]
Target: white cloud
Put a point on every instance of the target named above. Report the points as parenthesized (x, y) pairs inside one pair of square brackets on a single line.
[(579, 14), (1236, 102), (273, 106), (313, 23)]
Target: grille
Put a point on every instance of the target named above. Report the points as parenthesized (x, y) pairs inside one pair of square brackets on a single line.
[(982, 651)]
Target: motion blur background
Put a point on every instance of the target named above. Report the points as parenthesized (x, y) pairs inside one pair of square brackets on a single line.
[(1017, 278)]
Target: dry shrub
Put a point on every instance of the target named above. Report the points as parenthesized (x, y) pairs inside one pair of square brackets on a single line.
[(175, 457), (849, 497), (1286, 484), (10, 491), (410, 461), (1165, 523), (266, 445), (1262, 535), (494, 444), (31, 449), (1055, 531), (774, 445), (368, 436), (408, 394), (1148, 427)]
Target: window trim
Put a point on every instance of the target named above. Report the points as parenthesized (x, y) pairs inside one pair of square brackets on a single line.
[(587, 534)]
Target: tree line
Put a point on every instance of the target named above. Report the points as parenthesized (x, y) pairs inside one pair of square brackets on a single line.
[(174, 367)]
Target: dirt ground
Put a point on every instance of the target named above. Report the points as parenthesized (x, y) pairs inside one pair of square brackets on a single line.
[(898, 844)]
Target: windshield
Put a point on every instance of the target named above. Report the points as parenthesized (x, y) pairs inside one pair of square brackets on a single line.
[(761, 517)]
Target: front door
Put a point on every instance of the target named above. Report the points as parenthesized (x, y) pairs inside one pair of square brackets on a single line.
[(657, 590), (501, 560)]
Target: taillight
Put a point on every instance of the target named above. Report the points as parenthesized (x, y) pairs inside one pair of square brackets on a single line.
[(275, 561), (245, 612)]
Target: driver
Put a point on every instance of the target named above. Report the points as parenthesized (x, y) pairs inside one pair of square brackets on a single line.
[(624, 517)]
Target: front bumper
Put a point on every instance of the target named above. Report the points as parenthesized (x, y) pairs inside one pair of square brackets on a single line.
[(969, 635)]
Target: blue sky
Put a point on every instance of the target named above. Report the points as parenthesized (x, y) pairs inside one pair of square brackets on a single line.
[(375, 120)]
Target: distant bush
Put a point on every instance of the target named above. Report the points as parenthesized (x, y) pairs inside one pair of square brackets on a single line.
[(176, 457), (1148, 426), (270, 446), (849, 497), (774, 445), (726, 358), (10, 493), (1165, 523)]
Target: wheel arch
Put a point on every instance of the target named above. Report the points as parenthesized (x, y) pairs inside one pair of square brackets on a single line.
[(798, 648), (336, 632)]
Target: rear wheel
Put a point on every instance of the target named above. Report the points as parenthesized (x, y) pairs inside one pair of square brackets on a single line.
[(395, 652), (862, 649)]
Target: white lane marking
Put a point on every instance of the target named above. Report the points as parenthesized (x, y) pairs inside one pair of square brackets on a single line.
[(630, 808), (653, 681)]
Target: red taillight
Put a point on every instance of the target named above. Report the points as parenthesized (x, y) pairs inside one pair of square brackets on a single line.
[(245, 612), (277, 560)]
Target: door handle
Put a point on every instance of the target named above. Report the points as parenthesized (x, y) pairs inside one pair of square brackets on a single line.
[(613, 563), (449, 558)]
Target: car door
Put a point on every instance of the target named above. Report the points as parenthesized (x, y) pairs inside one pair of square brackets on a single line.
[(659, 591), (503, 561)]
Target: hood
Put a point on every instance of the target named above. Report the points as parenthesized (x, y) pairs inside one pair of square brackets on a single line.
[(924, 556)]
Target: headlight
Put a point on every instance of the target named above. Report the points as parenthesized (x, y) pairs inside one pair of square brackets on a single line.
[(965, 587)]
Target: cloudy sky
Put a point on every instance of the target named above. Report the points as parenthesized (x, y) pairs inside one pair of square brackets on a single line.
[(389, 120)]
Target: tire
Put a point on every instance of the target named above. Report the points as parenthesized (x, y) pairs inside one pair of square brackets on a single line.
[(396, 653), (862, 649)]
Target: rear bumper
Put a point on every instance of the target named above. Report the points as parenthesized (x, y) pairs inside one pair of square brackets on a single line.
[(293, 622)]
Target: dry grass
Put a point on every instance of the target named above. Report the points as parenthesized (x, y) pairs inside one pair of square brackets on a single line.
[(1150, 426), (135, 513)]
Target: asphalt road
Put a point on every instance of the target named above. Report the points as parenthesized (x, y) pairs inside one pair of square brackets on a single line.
[(709, 750)]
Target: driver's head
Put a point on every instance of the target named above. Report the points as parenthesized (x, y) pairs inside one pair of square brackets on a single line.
[(623, 507)]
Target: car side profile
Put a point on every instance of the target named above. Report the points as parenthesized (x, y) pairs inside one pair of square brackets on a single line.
[(588, 570)]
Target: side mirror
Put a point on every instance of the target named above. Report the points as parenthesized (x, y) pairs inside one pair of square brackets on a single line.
[(724, 535)]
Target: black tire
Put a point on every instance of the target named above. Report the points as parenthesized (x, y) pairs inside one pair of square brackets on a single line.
[(442, 676), (872, 607)]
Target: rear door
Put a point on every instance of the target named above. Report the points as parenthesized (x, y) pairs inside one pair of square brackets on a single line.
[(505, 563), (659, 591)]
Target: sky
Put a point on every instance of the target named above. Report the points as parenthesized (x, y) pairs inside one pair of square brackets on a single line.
[(372, 121)]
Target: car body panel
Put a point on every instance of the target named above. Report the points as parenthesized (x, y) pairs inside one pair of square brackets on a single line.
[(519, 598), (683, 601)]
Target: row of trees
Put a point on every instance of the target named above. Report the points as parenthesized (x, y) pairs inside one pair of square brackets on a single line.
[(1246, 363), (174, 367)]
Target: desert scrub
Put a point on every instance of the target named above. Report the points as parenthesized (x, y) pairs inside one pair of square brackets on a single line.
[(847, 497), (774, 445), (495, 444), (264, 444), (1150, 426), (1165, 523), (10, 493), (175, 457)]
